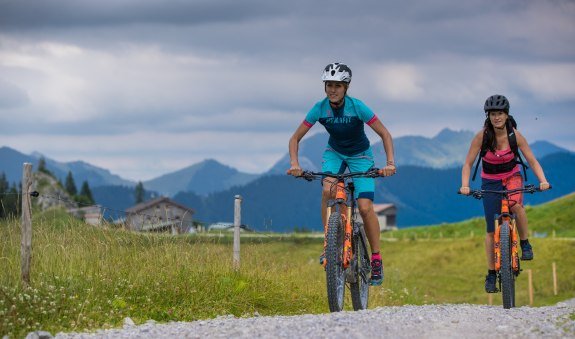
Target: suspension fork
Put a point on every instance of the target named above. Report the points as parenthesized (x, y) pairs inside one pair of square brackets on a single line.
[(341, 196), (346, 216), (506, 218)]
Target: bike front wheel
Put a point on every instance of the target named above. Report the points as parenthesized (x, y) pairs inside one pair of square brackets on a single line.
[(506, 276), (359, 289), (334, 271)]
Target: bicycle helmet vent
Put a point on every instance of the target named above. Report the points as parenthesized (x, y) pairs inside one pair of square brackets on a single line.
[(336, 72), (496, 103)]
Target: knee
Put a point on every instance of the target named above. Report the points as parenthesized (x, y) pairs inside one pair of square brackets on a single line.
[(489, 236), (517, 209), (365, 209), (326, 193)]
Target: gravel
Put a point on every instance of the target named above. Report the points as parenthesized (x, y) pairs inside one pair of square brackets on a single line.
[(429, 321)]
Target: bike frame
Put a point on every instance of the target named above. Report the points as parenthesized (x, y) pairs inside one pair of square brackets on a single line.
[(344, 262), (347, 211), (507, 251), (344, 197), (506, 219)]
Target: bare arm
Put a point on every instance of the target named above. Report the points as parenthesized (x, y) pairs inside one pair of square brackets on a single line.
[(385, 136), (300, 132), (531, 160), (474, 149)]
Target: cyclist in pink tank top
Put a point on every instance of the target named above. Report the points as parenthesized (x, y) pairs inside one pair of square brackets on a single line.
[(500, 171), (500, 158)]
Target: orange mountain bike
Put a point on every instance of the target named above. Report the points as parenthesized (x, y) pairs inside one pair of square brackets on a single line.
[(506, 242), (345, 243)]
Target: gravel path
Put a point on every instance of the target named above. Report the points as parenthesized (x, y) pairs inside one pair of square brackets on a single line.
[(430, 321)]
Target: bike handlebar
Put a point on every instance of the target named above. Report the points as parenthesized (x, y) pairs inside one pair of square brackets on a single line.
[(478, 194), (309, 175)]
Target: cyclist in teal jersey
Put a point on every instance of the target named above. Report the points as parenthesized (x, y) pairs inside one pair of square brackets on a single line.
[(348, 147)]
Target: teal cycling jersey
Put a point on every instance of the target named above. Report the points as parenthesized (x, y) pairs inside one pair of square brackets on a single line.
[(344, 125)]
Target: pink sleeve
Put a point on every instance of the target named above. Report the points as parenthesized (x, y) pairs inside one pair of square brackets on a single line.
[(308, 124), (372, 120)]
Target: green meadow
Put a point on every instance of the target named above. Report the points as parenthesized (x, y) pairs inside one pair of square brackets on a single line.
[(85, 278)]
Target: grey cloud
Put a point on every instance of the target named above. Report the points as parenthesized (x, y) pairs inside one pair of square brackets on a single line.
[(373, 30), (31, 14), (253, 66), (11, 96)]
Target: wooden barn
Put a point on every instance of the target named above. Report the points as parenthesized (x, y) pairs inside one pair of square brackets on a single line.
[(387, 216), (160, 215)]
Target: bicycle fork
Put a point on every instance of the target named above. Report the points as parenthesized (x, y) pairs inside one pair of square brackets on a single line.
[(345, 213), (506, 219)]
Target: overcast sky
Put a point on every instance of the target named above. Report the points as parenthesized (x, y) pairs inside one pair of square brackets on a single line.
[(147, 87)]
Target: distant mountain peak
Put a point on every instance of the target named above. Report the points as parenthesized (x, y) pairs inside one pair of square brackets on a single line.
[(447, 134), (204, 177), (543, 148), (82, 171), (210, 161), (213, 162)]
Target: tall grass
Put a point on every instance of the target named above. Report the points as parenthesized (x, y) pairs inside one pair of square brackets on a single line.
[(85, 277)]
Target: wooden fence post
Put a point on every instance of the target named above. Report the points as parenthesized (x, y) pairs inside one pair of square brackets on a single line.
[(26, 243), (554, 278), (237, 223), (530, 282)]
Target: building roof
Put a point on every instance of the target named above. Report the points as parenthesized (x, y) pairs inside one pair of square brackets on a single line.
[(382, 207), (227, 226), (150, 203)]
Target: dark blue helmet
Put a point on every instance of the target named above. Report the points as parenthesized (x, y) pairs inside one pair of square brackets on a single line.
[(496, 103)]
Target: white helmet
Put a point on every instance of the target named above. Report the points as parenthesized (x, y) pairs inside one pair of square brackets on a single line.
[(336, 72)]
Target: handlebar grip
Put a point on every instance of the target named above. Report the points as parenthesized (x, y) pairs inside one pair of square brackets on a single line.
[(374, 172), (307, 175), (539, 189)]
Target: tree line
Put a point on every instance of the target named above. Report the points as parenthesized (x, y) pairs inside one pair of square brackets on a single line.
[(10, 193), (82, 197), (9, 198)]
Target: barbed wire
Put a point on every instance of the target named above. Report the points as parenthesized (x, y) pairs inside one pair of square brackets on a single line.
[(10, 193)]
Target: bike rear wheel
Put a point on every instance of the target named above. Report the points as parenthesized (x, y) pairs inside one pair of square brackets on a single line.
[(506, 276), (360, 287), (334, 271)]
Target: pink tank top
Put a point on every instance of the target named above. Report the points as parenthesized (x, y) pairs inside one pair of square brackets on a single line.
[(499, 157)]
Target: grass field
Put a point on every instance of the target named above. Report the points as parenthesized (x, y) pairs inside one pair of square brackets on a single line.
[(85, 278)]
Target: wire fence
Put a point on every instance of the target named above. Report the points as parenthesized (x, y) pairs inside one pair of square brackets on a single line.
[(167, 216)]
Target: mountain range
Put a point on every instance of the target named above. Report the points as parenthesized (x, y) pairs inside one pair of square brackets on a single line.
[(11, 164), (446, 149), (427, 166), (423, 196)]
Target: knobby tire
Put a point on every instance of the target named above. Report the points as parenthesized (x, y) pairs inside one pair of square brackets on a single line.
[(506, 273), (360, 288), (334, 272)]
